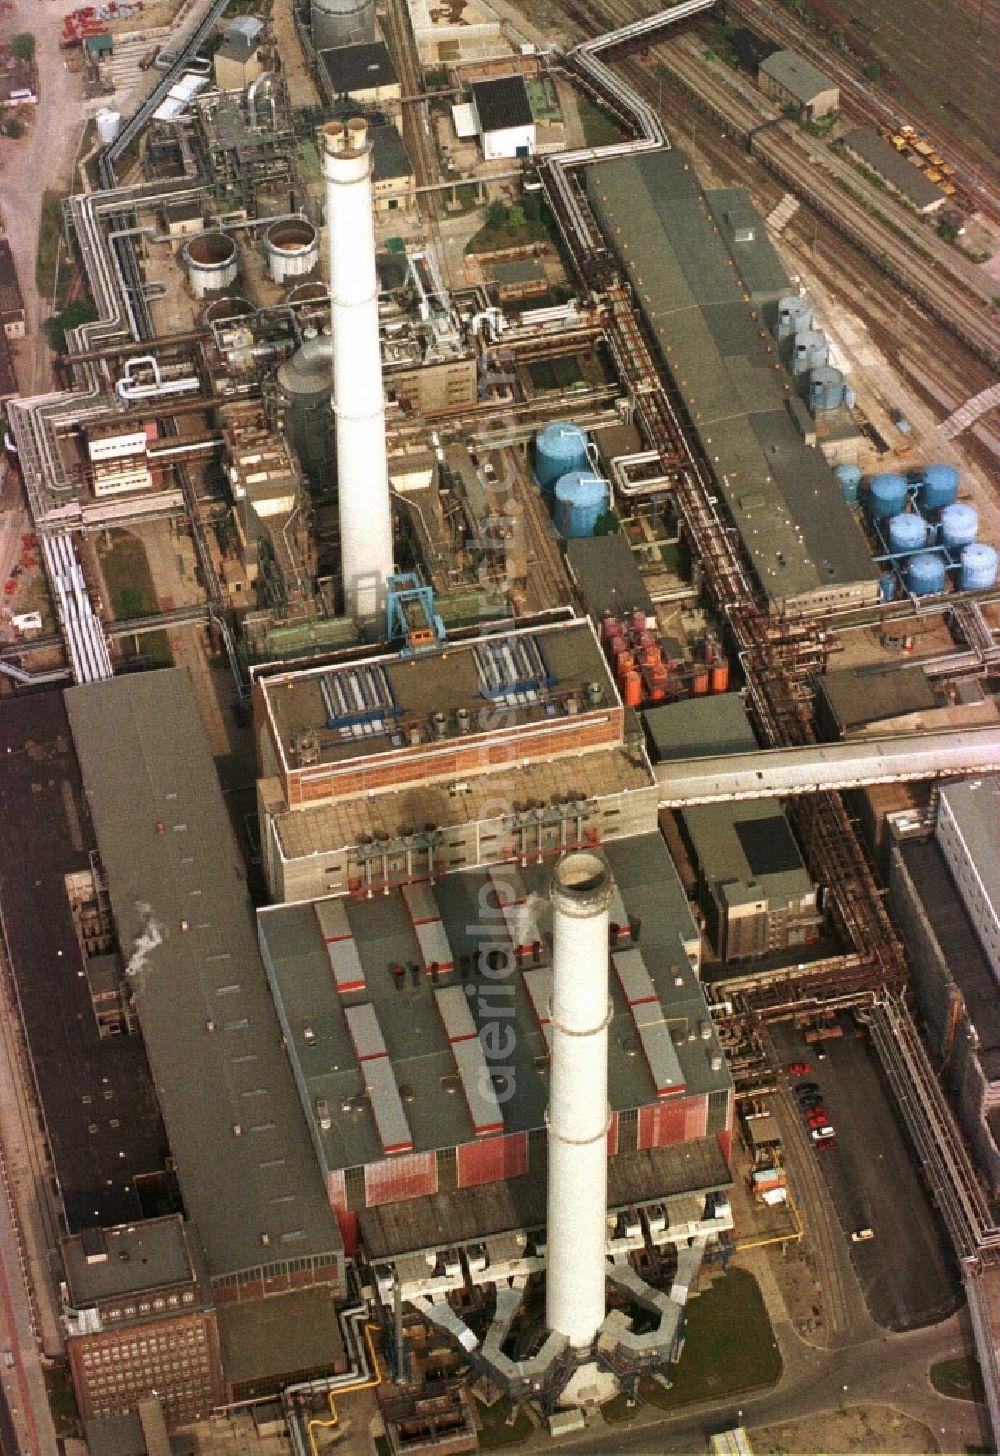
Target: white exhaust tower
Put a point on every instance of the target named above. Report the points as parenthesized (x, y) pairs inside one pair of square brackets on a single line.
[(359, 409), (578, 1116)]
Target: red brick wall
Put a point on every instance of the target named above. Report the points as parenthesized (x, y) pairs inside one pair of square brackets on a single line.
[(116, 1368), (676, 1121), (492, 1160)]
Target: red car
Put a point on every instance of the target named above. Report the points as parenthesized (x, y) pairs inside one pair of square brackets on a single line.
[(818, 1117), (830, 1142), (799, 1069)]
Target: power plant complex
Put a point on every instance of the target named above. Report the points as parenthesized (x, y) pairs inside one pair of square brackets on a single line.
[(602, 714)]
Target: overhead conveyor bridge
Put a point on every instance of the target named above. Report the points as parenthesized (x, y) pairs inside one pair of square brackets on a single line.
[(829, 767)]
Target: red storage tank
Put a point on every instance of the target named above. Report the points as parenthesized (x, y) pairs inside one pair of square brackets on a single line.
[(638, 620), (632, 690), (720, 676), (699, 683), (624, 661), (610, 627)]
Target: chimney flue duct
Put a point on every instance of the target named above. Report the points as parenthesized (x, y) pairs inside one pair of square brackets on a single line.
[(359, 409), (578, 1116)]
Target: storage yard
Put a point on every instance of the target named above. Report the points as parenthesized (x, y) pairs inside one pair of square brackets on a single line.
[(580, 566)]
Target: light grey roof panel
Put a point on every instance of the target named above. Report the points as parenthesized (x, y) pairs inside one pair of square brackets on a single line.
[(480, 1097), (453, 1008), (658, 1048)]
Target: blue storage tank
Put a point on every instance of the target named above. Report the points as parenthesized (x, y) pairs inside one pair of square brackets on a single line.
[(959, 525), (849, 480), (581, 500), (979, 567), (559, 449), (826, 388), (925, 574), (887, 585), (888, 495), (794, 314), (906, 534), (809, 351), (938, 487)]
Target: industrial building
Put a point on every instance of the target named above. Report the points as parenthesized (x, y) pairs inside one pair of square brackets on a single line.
[(361, 74), (692, 279), (966, 833), (503, 118), (791, 80), (140, 1321), (865, 145), (237, 62), (12, 317), (757, 894), (176, 889)]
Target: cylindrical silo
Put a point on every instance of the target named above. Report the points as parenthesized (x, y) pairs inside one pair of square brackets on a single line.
[(291, 247), (109, 124), (907, 533), (212, 261), (849, 480), (229, 310), (938, 487), (794, 315), (578, 1115), (959, 524), (888, 495), (581, 500), (826, 388), (305, 405), (979, 567), (809, 351), (925, 574), (342, 22), (559, 449)]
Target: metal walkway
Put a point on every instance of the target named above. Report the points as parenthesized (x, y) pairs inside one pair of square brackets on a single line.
[(817, 767)]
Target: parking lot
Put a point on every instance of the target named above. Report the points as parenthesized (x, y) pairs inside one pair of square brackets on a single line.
[(907, 1271)]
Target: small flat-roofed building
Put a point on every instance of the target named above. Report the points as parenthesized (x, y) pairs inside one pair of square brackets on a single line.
[(754, 887), (237, 62), (503, 118), (12, 318), (607, 578), (866, 146), (394, 183), (363, 74), (410, 1083), (272, 1343), (141, 1432), (141, 1284), (791, 80), (967, 835)]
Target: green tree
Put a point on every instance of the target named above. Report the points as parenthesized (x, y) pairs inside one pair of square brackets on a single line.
[(531, 206), (497, 215), (515, 218), (13, 128), (80, 311), (22, 47), (607, 524)]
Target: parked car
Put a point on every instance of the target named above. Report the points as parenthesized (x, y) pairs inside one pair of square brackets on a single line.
[(799, 1069), (818, 1117), (821, 1134), (829, 1142), (862, 1235)]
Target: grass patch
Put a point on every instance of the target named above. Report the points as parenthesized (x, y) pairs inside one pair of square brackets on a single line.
[(959, 1379), (62, 1403), (599, 129), (618, 1412), (126, 574), (729, 1346), (50, 228), (152, 649), (465, 200), (495, 1432)]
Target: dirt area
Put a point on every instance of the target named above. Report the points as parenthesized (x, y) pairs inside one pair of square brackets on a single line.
[(868, 1429), (301, 87)]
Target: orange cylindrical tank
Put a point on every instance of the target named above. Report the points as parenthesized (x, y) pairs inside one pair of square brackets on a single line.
[(699, 683), (720, 676), (624, 661), (650, 656), (632, 690), (656, 689)]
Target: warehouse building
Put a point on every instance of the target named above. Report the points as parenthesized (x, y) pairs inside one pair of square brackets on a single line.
[(706, 291), (362, 74), (955, 990), (417, 1025), (791, 80), (176, 885), (755, 890), (967, 835), (866, 146), (140, 1321)]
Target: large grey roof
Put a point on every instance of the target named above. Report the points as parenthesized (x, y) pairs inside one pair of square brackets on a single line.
[(322, 1048), (184, 919), (686, 272), (694, 726), (150, 1254)]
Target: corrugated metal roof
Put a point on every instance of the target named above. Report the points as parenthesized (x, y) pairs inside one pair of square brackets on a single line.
[(797, 76), (866, 144)]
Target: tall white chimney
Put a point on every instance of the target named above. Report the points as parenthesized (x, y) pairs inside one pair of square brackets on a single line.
[(578, 1114), (359, 409)]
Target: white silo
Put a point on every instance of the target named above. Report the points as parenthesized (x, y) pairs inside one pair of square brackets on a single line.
[(342, 22)]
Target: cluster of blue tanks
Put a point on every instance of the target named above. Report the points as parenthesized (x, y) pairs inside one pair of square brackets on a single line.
[(578, 498), (922, 522)]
